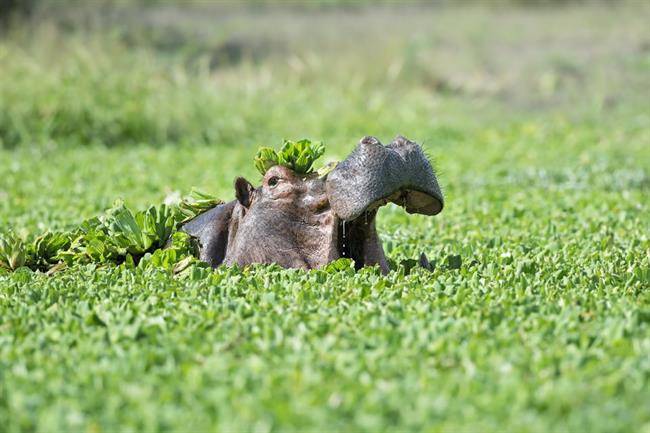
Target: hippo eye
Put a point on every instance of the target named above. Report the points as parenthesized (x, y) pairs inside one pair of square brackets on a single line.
[(273, 181)]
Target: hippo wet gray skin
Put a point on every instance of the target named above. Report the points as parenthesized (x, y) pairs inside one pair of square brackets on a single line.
[(307, 221)]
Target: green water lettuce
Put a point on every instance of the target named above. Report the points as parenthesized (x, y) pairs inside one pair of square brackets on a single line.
[(197, 203), (299, 156), (121, 233), (43, 252), (13, 251), (176, 257), (266, 158), (119, 236), (136, 233)]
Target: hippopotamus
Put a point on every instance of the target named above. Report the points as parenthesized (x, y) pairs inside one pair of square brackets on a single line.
[(307, 221)]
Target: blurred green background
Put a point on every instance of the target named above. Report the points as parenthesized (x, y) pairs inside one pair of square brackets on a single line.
[(484, 85)]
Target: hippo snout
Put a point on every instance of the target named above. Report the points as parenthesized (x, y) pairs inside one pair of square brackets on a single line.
[(375, 174)]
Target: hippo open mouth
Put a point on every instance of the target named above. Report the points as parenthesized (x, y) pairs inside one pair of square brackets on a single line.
[(372, 176), (357, 240), (306, 221)]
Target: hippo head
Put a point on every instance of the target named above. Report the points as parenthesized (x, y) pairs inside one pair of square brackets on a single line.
[(306, 221)]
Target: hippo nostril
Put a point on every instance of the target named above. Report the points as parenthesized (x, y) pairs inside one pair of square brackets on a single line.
[(400, 140), (368, 139)]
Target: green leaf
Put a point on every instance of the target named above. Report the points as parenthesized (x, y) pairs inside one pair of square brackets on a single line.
[(181, 249), (13, 251), (45, 249), (266, 158), (298, 156), (195, 204), (338, 265), (120, 235)]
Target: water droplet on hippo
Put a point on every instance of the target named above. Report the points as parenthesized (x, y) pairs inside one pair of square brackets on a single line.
[(343, 240)]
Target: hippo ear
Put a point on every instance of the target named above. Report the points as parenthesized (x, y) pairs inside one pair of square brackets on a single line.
[(243, 191)]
